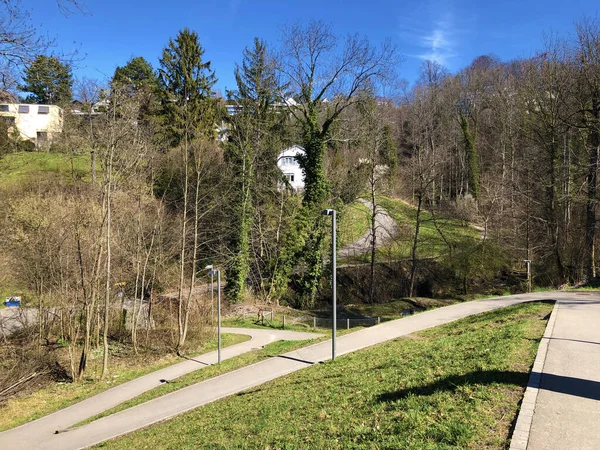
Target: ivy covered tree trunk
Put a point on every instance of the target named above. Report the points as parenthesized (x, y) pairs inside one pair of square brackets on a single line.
[(250, 142), (237, 272), (473, 185), (325, 78)]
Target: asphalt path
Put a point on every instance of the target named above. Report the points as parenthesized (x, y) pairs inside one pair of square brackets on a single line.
[(386, 229), (32, 436)]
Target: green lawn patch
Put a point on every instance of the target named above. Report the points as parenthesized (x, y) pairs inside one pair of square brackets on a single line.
[(431, 243), (393, 310), (455, 386), (354, 221), (18, 411), (269, 351), (25, 166)]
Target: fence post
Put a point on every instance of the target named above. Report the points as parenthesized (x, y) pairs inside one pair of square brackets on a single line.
[(378, 320), (347, 324), (314, 322), (283, 323)]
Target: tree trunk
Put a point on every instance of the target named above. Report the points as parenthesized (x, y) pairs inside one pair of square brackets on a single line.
[(413, 267), (592, 182), (373, 232)]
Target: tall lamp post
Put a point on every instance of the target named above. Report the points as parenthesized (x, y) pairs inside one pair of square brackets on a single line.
[(212, 272), (331, 212), (212, 293), (528, 264)]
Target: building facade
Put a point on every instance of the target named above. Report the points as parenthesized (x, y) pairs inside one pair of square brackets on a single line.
[(288, 164), (37, 123)]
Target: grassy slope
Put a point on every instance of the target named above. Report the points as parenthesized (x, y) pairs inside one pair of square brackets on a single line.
[(356, 220), (20, 410), (270, 350), (24, 166), (353, 223), (453, 387), (430, 241)]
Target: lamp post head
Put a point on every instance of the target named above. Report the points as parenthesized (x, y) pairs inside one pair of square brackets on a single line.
[(328, 212), (209, 267)]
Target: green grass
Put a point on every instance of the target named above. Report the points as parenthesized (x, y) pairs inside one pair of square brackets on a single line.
[(18, 411), (353, 223), (393, 310), (25, 166), (431, 243), (455, 386), (269, 351), (276, 323)]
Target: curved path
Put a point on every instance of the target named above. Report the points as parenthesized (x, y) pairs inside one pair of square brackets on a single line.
[(32, 436), (386, 229), (35, 434)]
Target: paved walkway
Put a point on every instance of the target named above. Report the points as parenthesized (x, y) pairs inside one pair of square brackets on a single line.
[(565, 388), (34, 434), (36, 437), (386, 229)]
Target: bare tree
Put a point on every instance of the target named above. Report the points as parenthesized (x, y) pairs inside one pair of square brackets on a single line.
[(326, 76)]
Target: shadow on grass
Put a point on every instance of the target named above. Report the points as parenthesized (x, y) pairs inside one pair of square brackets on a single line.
[(453, 382), (565, 385)]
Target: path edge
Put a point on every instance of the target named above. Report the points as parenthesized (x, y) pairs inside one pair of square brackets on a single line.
[(520, 436)]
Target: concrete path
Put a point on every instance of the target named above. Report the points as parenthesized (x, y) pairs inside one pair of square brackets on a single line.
[(34, 434), (208, 391), (565, 388)]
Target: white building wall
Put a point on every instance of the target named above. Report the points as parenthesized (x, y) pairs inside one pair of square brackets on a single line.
[(35, 120), (288, 164)]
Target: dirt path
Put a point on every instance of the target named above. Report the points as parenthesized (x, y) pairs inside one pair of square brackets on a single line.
[(386, 229)]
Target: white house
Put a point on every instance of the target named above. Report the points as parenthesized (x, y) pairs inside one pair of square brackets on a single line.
[(36, 123), (288, 163)]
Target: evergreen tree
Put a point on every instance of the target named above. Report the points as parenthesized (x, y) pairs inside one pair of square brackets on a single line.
[(186, 82), (250, 154), (137, 79), (49, 81), (137, 75)]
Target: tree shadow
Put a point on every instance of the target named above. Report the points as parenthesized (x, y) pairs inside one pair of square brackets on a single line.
[(577, 387), (562, 384)]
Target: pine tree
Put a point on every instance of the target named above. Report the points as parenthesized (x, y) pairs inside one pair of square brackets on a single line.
[(186, 82), (49, 81), (137, 75)]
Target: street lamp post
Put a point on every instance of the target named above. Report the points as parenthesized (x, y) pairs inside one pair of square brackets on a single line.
[(212, 273), (331, 212), (528, 264)]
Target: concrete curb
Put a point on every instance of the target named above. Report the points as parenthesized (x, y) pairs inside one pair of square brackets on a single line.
[(520, 437)]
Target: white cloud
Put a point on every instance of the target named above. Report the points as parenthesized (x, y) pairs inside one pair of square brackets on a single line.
[(433, 34), (439, 44)]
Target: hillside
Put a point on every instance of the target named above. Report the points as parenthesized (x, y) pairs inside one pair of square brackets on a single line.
[(16, 168)]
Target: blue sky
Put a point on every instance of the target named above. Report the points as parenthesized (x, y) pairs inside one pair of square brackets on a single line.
[(450, 32)]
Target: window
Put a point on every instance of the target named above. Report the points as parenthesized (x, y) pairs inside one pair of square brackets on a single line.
[(42, 136), (288, 161), (289, 177), (24, 109), (3, 108), (42, 109)]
